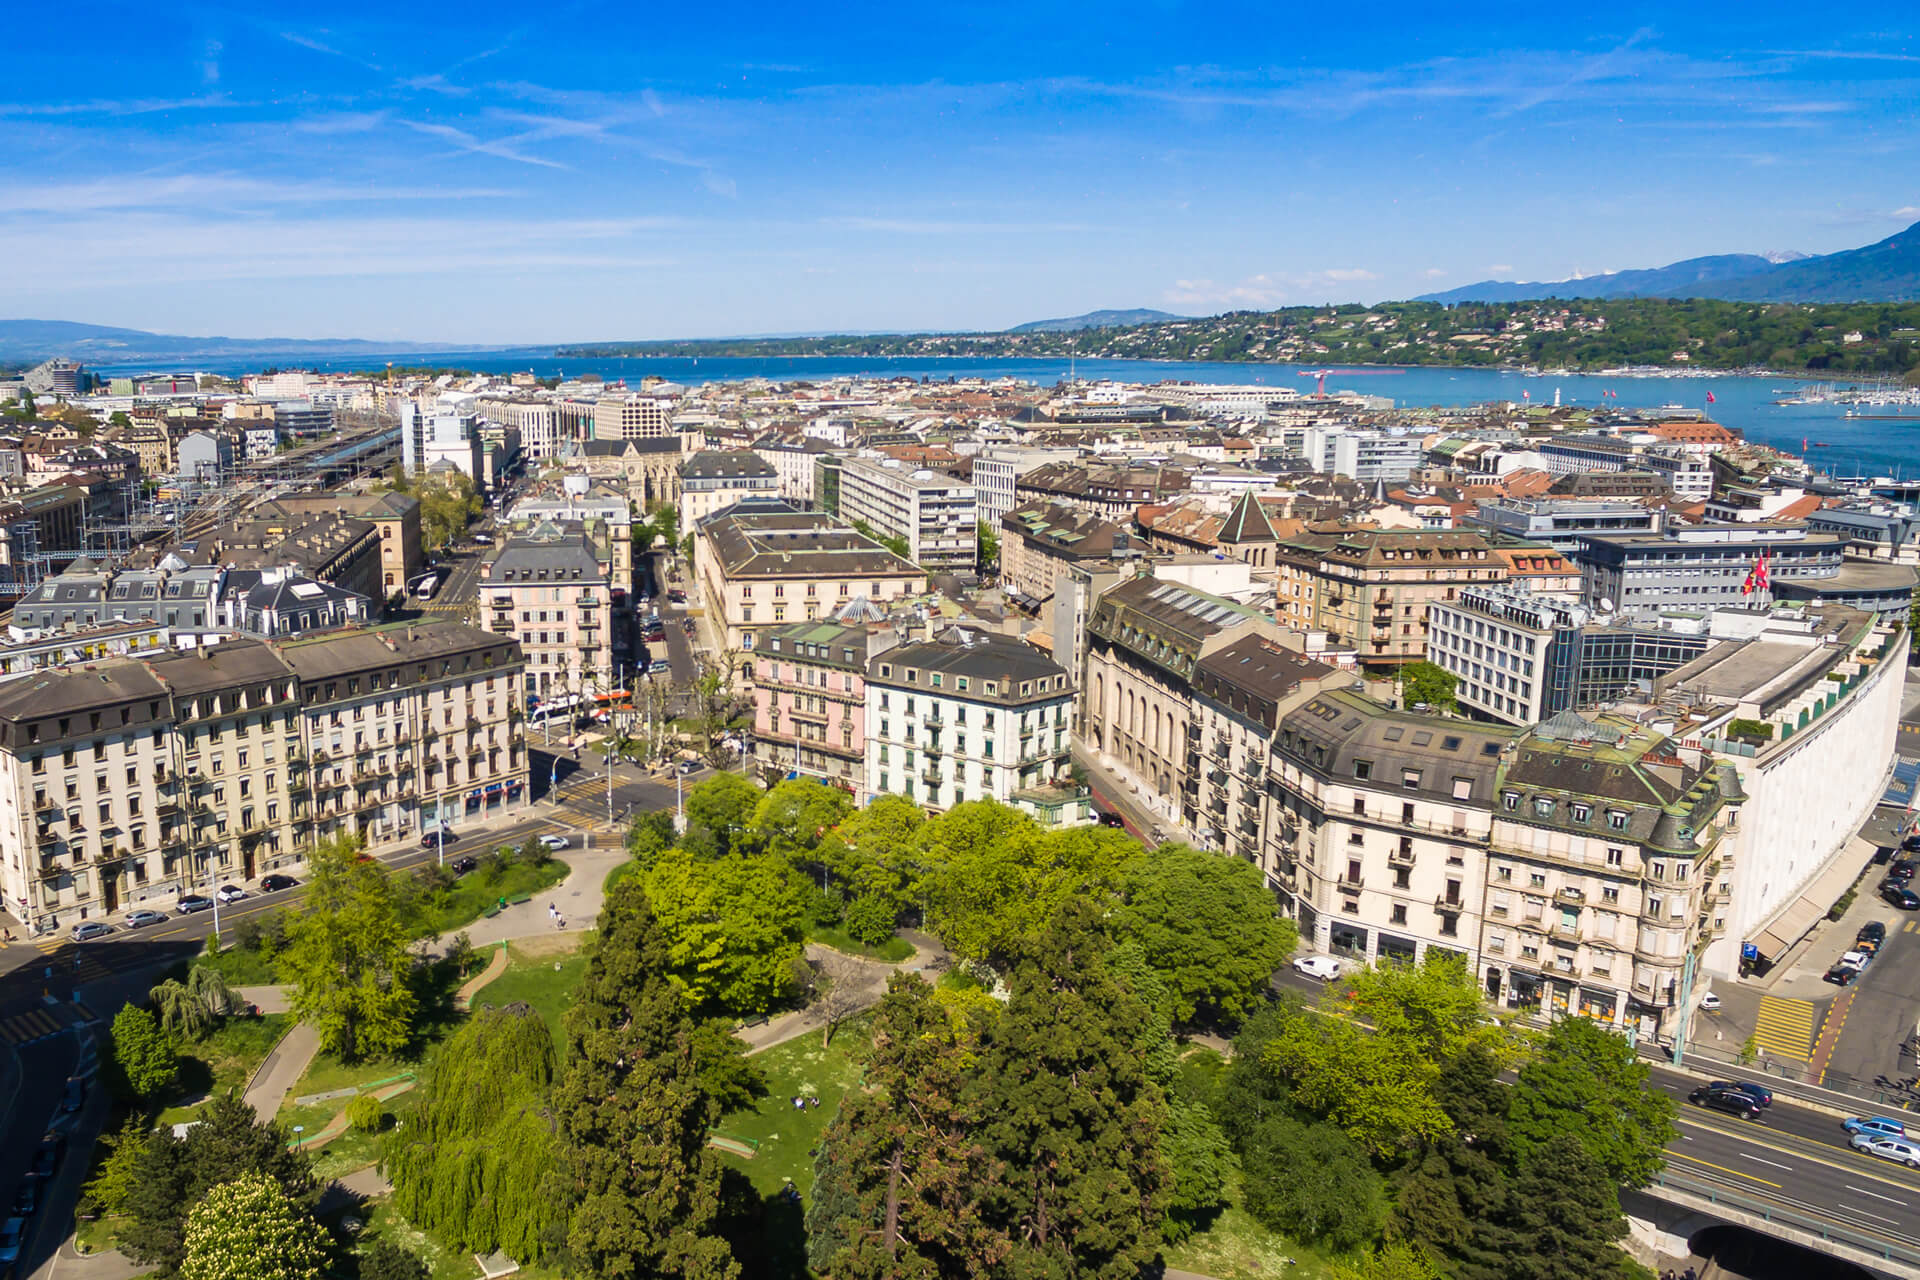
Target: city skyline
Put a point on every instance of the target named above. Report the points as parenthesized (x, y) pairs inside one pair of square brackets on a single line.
[(473, 175)]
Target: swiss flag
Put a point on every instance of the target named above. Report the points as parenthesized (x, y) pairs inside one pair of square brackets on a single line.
[(1709, 397)]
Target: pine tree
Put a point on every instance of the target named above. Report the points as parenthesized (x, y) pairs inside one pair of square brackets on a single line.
[(1563, 1221), (632, 1168), (900, 1171), (1071, 1118)]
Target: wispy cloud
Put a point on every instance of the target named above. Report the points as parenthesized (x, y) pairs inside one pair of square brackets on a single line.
[(216, 191), (1433, 273), (336, 122), (1269, 289), (119, 106), (943, 227), (461, 140)]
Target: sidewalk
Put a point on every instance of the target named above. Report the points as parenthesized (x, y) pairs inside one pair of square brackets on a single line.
[(1136, 801), (867, 977)]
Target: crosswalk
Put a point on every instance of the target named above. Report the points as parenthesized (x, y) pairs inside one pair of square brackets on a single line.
[(1785, 1027), (29, 1025), (61, 954)]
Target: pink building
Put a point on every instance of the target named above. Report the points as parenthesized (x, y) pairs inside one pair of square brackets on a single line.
[(810, 689)]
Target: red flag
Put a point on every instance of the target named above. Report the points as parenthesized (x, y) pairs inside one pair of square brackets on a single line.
[(1709, 397), (1765, 584)]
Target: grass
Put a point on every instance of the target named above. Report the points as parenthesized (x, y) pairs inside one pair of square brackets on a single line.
[(353, 1149), (226, 1059), (631, 867), (786, 1137), (473, 895), (893, 950), (383, 1222), (240, 968), (1236, 1247), (547, 982)]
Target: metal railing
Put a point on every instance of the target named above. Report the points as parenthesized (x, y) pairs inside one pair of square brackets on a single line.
[(1788, 1212)]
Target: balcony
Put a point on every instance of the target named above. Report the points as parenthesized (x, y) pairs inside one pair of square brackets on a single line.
[(1570, 894), (1349, 881), (1399, 858), (932, 718), (1452, 906), (932, 777)]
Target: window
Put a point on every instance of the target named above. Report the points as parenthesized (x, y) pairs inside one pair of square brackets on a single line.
[(1581, 812), (1399, 913), (1363, 768), (1616, 820), (1510, 799), (1497, 943), (1463, 788), (1542, 807), (1615, 857), (1410, 778), (1610, 893)]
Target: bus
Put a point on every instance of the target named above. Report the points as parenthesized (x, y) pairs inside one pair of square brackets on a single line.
[(562, 709), (424, 587)]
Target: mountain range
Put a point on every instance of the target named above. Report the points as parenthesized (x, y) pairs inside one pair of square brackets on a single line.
[(1886, 271), (30, 341), (1097, 320)]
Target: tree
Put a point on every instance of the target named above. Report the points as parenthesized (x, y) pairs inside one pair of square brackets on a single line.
[(1562, 1222), (385, 1260), (249, 1229), (471, 1163), (448, 504), (839, 998), (1435, 1007), (347, 958), (1313, 1182), (714, 697), (731, 928), (1460, 1178), (171, 1175), (118, 1170), (1394, 1260), (1069, 1116), (986, 546), (1378, 1089), (1207, 925), (900, 1171), (1429, 683), (1587, 1084), (793, 818), (873, 852), (192, 1008), (640, 1189), (142, 1052)]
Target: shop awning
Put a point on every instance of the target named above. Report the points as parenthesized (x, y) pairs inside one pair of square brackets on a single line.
[(1791, 923)]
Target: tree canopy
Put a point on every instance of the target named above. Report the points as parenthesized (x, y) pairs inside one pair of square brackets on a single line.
[(1429, 683), (142, 1053), (346, 958), (1207, 924), (1586, 1084), (731, 928), (250, 1229)]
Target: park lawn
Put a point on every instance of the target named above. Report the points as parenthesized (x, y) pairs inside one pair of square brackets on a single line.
[(1236, 1247), (785, 1137), (353, 1149), (225, 1059), (547, 982), (631, 867), (383, 1222), (893, 950), (473, 895), (239, 967)]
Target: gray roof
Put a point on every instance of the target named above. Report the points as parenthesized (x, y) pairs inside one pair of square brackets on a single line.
[(800, 544), (734, 464), (1345, 734), (1015, 668)]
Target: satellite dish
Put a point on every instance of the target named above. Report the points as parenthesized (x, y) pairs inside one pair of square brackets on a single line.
[(1606, 604)]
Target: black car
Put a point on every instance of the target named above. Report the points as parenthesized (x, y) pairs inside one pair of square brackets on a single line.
[(1874, 931), (276, 882), (1758, 1092), (1841, 976), (1734, 1102), (1902, 870), (75, 1096), (193, 902), (26, 1197), (1900, 896), (463, 864), (1111, 820), (46, 1157)]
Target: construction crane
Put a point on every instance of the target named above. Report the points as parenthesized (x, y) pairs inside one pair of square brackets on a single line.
[(1320, 376)]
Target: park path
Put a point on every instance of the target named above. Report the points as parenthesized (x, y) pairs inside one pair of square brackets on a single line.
[(866, 978), (281, 1070)]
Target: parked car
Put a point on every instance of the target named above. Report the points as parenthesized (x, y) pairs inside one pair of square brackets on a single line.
[(556, 841), (1903, 869), (1710, 1002), (1732, 1101), (676, 595), (13, 1233), (1841, 976), (1110, 819), (276, 883), (74, 1096), (1854, 960), (1885, 1126), (1905, 1150), (1325, 968), (46, 1156), (141, 919), (691, 766), (230, 893), (1900, 896), (1874, 931), (463, 864), (26, 1197), (1759, 1092), (88, 930), (191, 903), (435, 836), (659, 667)]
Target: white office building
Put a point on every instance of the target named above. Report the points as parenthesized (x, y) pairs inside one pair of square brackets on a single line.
[(937, 515)]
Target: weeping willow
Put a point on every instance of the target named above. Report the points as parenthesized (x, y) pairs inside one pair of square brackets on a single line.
[(470, 1165)]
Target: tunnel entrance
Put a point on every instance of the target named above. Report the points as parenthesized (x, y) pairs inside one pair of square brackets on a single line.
[(1750, 1255)]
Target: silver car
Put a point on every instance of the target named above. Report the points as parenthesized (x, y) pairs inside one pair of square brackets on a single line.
[(1903, 1150)]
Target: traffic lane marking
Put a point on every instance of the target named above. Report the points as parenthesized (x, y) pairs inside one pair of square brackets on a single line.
[(1851, 1169), (1877, 1196), (1723, 1169)]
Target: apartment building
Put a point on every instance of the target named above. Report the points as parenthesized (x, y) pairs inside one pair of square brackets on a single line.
[(607, 517), (633, 417), (1605, 873), (536, 420), (1378, 843), (935, 513), (1561, 522), (1240, 694), (1038, 540), (792, 460), (997, 470), (1144, 642), (1112, 492), (394, 516), (810, 701), (773, 565), (1370, 588), (1366, 456), (129, 781), (712, 481), (971, 715), (550, 588), (1510, 651)]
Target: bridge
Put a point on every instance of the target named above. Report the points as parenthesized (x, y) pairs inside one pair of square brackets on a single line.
[(1790, 1176)]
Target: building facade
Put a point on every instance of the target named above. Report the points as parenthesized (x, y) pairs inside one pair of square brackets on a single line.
[(1370, 588), (935, 513), (711, 481), (971, 715), (550, 589), (810, 701)]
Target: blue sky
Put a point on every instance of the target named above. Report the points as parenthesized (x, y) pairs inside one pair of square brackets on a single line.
[(486, 172)]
